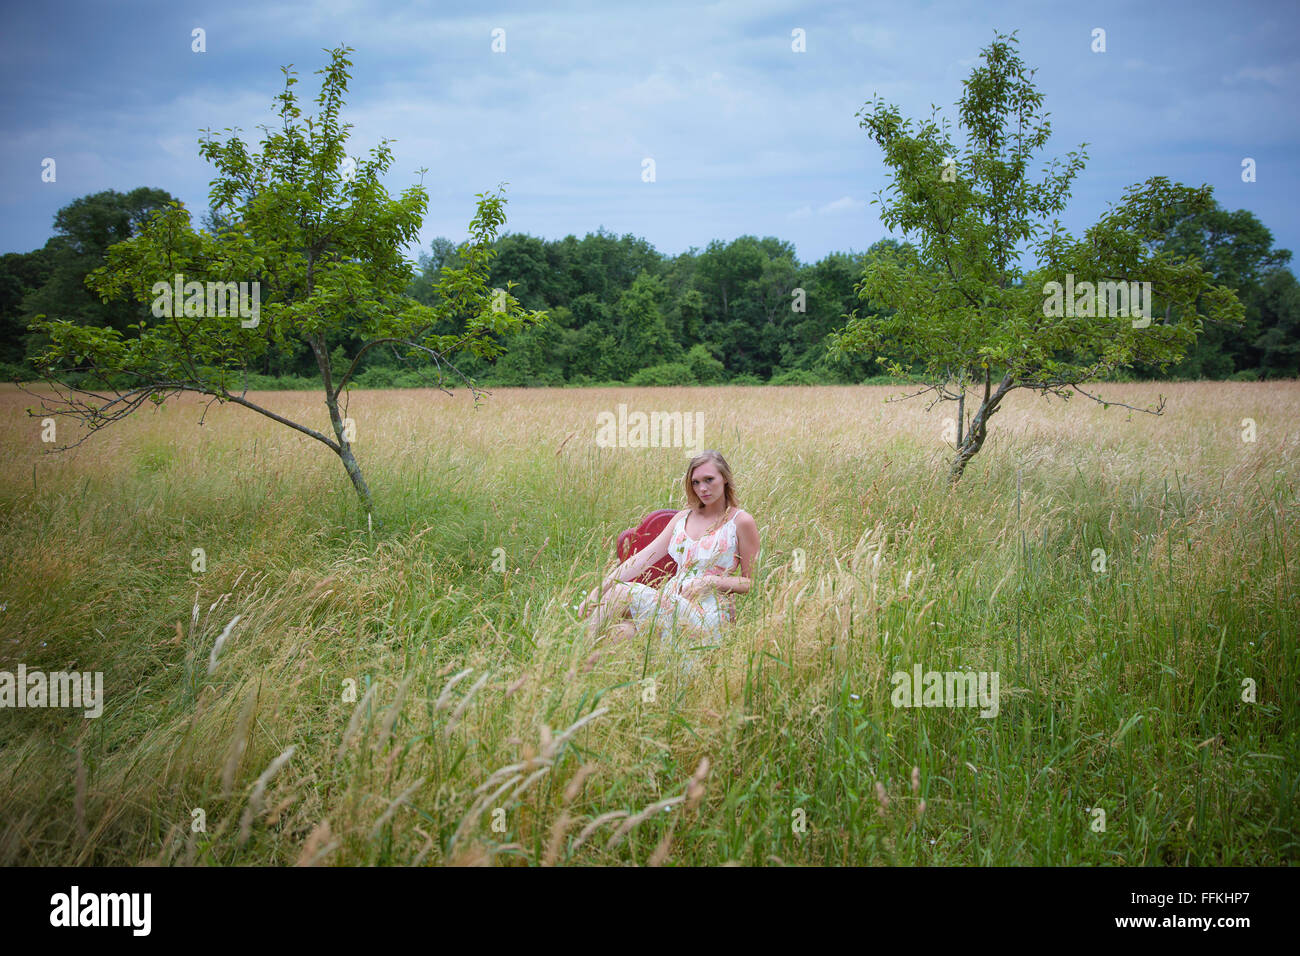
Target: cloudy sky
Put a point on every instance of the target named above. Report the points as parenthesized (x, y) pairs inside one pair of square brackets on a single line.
[(747, 136)]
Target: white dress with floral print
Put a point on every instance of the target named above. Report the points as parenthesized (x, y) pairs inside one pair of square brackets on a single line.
[(704, 612)]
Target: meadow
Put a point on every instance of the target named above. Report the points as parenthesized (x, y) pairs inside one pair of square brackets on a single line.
[(419, 690)]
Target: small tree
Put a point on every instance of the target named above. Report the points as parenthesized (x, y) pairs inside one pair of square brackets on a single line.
[(309, 245), (961, 301)]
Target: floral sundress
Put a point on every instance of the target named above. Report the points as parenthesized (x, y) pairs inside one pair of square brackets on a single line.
[(666, 608)]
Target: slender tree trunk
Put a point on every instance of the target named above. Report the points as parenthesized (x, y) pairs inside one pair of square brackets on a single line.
[(961, 415), (349, 460), (973, 440), (345, 448)]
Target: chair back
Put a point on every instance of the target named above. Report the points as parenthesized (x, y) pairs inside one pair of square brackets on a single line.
[(635, 539)]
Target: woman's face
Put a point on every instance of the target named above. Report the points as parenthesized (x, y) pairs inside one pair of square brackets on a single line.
[(707, 483)]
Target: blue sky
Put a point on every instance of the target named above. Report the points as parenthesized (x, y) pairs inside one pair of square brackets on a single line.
[(748, 137)]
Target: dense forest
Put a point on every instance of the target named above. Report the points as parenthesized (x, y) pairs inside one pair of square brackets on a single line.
[(745, 311)]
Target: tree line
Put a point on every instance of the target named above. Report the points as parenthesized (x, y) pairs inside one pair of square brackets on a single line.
[(745, 311)]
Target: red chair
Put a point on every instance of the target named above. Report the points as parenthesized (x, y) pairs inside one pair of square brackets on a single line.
[(634, 539)]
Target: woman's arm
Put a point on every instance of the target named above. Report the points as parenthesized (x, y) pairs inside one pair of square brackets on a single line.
[(635, 566)]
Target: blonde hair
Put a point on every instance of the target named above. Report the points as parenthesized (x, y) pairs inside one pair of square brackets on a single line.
[(710, 457)]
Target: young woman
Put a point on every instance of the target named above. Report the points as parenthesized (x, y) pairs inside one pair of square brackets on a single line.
[(709, 541)]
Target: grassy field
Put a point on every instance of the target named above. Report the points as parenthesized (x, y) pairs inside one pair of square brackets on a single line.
[(484, 729)]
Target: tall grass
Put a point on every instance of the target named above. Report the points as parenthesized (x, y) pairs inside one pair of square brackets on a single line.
[(386, 697)]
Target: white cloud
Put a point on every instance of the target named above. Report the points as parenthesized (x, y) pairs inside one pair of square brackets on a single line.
[(1272, 75), (843, 204)]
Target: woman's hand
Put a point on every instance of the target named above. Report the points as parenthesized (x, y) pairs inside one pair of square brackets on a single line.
[(588, 604), (694, 587)]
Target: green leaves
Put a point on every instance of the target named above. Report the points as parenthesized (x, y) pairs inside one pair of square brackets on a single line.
[(325, 248), (958, 295)]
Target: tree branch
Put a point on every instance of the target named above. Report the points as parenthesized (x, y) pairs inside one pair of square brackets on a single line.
[(97, 417), (310, 432), (1159, 409)]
